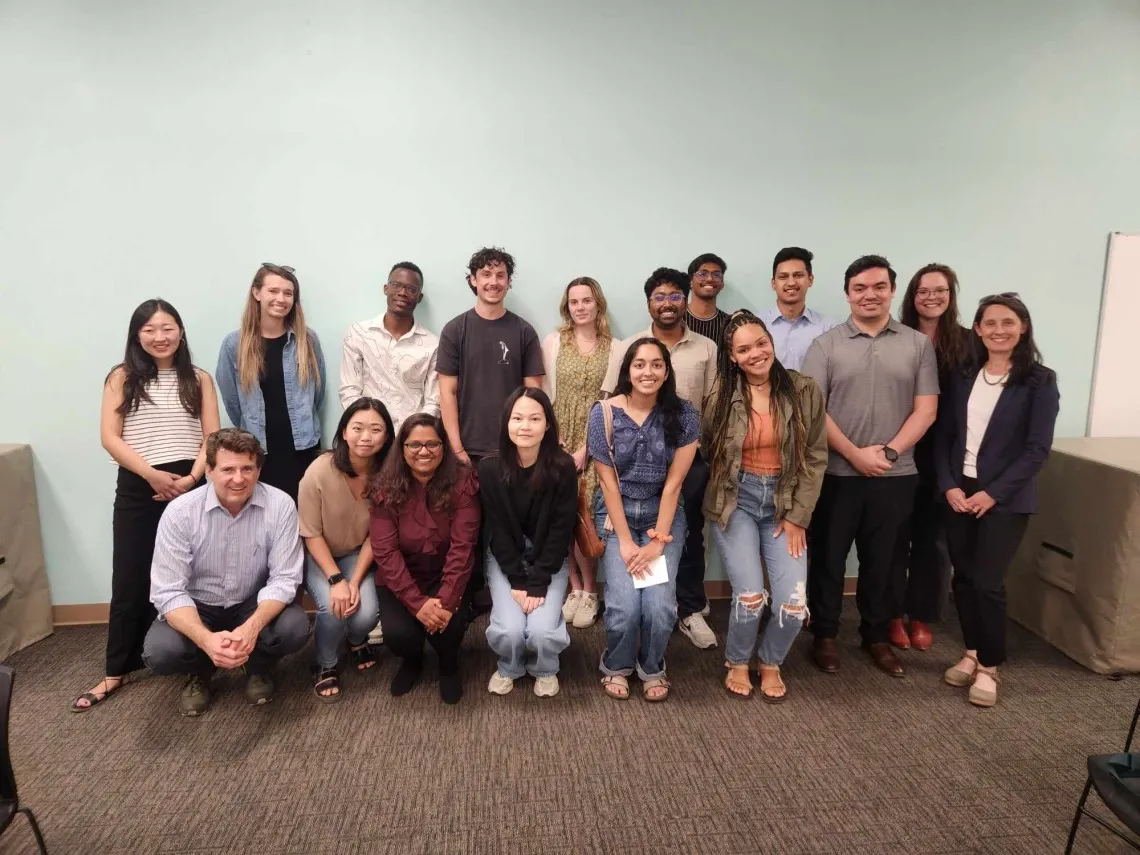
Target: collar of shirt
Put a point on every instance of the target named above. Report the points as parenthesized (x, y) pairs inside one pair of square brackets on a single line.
[(377, 323), (257, 497), (773, 315), (687, 337), (854, 331)]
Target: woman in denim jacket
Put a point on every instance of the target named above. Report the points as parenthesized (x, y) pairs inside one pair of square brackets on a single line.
[(765, 433), (271, 374)]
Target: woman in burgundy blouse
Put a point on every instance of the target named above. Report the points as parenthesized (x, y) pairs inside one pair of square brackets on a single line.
[(425, 521)]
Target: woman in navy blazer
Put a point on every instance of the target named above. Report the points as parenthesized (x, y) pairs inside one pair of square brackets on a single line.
[(993, 436)]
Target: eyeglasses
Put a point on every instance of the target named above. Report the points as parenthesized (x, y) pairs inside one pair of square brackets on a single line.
[(410, 290), (714, 275), (432, 445), (932, 292), (1004, 295), (273, 268), (674, 298)]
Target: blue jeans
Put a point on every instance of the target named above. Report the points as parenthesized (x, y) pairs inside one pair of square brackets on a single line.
[(331, 630), (526, 644), (741, 545), (633, 614)]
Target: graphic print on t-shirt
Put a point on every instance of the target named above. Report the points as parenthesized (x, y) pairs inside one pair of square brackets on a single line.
[(504, 360)]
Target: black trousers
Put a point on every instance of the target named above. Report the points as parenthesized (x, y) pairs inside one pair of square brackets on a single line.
[(872, 513), (284, 470), (404, 635), (982, 550), (170, 652), (478, 580), (922, 570), (134, 524), (691, 568)]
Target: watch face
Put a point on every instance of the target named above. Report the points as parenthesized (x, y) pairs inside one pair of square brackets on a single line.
[(891, 454)]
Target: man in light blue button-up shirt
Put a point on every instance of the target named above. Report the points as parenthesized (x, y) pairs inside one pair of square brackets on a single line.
[(792, 325), (226, 569)]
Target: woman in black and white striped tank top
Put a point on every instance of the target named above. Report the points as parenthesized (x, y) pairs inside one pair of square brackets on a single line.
[(157, 408)]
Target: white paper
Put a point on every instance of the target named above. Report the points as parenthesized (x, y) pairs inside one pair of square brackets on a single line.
[(658, 574)]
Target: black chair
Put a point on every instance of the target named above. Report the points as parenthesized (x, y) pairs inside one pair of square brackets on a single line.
[(9, 801), (1117, 781)]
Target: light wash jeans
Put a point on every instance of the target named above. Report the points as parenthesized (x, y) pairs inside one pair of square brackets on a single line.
[(330, 630), (526, 644), (741, 545), (632, 614)]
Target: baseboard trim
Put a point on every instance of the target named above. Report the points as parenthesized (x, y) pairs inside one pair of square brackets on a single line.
[(86, 614)]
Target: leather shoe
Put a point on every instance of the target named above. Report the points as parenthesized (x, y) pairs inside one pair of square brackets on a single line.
[(885, 659), (825, 655), (920, 635), (897, 634)]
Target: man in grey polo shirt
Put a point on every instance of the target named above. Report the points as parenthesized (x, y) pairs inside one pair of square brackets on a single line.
[(880, 382), (694, 366)]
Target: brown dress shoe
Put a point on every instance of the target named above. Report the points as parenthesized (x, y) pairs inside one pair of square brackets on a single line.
[(825, 655), (898, 635), (920, 635), (885, 659)]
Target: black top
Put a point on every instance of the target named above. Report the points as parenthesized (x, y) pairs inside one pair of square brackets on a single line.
[(514, 514), (711, 328), (924, 448), (278, 428), (490, 360), (1015, 445)]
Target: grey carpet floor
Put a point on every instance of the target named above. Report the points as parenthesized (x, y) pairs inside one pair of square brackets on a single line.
[(857, 762)]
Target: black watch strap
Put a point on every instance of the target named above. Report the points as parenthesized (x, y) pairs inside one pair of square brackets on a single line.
[(336, 579)]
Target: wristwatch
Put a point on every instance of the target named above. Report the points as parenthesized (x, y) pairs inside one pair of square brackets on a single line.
[(890, 454), (336, 579)]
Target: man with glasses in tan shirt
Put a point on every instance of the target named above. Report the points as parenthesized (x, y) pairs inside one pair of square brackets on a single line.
[(694, 365)]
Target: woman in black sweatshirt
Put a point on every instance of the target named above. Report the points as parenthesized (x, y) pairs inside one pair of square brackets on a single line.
[(529, 492)]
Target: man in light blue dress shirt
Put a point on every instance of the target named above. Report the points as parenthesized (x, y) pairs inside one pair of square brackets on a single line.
[(226, 569), (792, 325)]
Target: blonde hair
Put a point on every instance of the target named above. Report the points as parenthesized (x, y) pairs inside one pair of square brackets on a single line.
[(251, 351), (601, 320)]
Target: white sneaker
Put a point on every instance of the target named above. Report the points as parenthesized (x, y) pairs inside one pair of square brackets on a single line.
[(376, 636), (587, 611), (570, 607), (546, 687), (698, 631), (500, 685)]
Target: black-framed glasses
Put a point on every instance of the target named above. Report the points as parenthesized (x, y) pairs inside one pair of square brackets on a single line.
[(415, 446), (714, 275), (410, 290)]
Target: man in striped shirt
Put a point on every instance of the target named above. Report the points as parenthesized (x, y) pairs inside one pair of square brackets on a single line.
[(706, 281), (226, 569)]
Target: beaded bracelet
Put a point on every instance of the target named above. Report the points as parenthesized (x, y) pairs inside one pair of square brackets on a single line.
[(664, 538)]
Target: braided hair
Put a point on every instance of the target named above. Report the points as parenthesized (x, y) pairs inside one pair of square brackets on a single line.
[(730, 377)]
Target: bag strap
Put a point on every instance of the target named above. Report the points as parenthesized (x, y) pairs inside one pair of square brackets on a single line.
[(608, 423)]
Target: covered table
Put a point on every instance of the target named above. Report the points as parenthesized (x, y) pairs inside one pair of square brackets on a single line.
[(1076, 579), (25, 597)]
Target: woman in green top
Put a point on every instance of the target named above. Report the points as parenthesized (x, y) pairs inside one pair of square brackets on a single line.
[(576, 356)]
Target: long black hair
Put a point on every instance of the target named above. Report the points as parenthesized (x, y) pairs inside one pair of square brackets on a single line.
[(339, 451), (393, 485), (549, 449), (730, 377), (951, 341), (139, 367), (1025, 361), (667, 399)]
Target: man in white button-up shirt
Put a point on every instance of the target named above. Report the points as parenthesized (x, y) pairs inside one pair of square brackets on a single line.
[(391, 357)]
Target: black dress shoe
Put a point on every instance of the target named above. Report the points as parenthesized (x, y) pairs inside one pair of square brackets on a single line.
[(885, 659), (450, 687), (406, 676), (825, 655)]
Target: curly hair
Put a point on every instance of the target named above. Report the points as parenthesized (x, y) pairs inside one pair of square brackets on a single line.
[(667, 276), (393, 486)]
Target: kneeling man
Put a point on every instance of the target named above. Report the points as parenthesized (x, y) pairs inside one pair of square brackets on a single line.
[(227, 566)]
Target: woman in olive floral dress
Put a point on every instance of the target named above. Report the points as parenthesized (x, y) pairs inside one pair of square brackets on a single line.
[(576, 356)]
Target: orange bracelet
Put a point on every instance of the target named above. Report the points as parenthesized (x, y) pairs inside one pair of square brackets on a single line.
[(664, 538)]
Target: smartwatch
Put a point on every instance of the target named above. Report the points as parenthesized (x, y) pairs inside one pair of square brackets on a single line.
[(336, 579), (890, 454)]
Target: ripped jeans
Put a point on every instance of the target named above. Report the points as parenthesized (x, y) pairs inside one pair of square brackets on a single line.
[(741, 545)]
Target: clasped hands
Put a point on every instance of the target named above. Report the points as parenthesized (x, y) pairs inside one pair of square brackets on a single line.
[(870, 461), (976, 504), (231, 648), (433, 615), (637, 558)]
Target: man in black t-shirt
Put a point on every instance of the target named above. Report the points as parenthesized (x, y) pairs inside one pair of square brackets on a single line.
[(484, 355), (706, 281)]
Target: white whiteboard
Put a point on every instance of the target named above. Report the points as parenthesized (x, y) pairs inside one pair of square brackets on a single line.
[(1114, 408)]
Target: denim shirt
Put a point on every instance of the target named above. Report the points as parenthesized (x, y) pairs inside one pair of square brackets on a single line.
[(246, 407), (642, 455)]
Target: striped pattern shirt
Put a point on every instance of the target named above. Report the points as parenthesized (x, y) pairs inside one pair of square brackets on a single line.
[(203, 554), (160, 430)]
